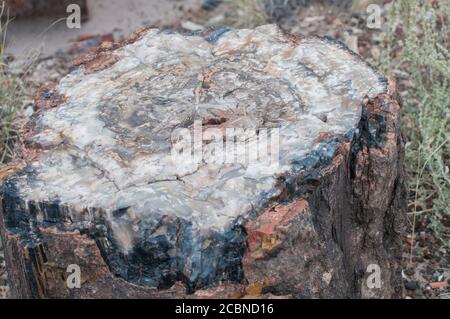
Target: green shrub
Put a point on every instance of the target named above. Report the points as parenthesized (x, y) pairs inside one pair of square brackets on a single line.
[(417, 46)]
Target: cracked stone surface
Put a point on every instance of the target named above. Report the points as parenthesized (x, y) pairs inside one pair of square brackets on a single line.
[(98, 157), (109, 144)]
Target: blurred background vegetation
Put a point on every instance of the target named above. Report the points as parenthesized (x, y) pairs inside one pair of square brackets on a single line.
[(417, 49), (9, 98)]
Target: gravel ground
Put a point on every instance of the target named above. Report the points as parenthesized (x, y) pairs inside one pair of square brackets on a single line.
[(4, 289)]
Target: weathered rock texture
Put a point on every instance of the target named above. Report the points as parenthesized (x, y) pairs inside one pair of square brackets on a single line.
[(98, 186)]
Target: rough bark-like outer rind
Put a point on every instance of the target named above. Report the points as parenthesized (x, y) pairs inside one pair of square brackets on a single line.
[(341, 211), (351, 220)]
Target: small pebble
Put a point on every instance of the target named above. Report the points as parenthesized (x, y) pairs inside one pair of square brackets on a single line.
[(411, 285)]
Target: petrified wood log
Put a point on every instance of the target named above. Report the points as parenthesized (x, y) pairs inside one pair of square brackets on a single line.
[(100, 185)]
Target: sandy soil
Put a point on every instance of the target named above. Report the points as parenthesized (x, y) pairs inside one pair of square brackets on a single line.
[(106, 16)]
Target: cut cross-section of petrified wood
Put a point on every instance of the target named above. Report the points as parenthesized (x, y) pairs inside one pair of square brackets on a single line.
[(101, 187)]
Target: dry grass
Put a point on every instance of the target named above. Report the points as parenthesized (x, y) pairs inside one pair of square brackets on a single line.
[(246, 13), (417, 51), (9, 96)]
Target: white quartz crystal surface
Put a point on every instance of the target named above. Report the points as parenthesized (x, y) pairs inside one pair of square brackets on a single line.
[(109, 144)]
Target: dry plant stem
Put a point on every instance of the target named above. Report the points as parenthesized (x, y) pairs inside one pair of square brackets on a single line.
[(417, 38)]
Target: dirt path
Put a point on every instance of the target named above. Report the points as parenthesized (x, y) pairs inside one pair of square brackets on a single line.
[(106, 16)]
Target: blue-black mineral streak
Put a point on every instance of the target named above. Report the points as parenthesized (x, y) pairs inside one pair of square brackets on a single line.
[(158, 258), (171, 249), (371, 132), (210, 34), (167, 250)]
